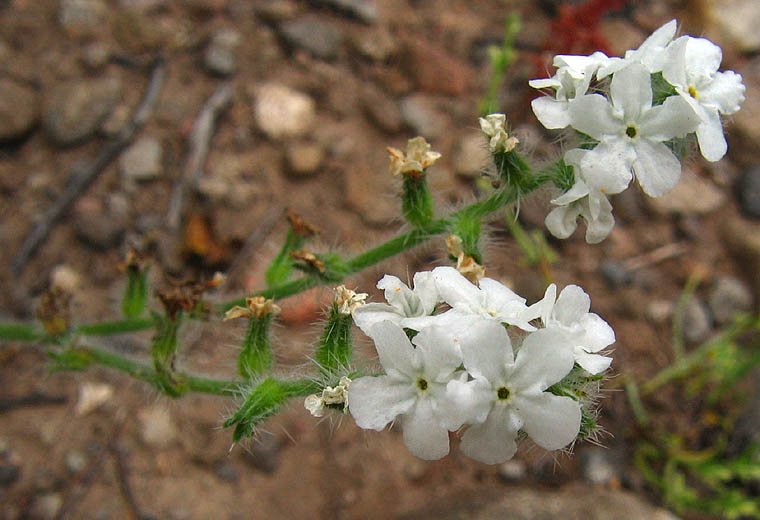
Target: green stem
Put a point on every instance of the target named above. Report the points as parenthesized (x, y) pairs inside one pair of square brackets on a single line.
[(21, 332), (116, 327)]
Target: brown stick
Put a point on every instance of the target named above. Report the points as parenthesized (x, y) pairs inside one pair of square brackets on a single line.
[(198, 147), (82, 178)]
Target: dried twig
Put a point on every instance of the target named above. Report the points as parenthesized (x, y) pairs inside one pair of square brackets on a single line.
[(83, 177), (133, 511), (656, 255), (200, 141), (33, 399), (252, 243)]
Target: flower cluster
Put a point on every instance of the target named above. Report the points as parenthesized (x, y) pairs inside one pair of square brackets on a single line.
[(488, 362), (663, 91)]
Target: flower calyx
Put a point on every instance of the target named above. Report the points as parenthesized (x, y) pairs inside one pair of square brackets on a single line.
[(255, 307)]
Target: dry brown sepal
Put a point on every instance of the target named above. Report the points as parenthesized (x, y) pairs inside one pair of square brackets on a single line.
[(308, 258), (418, 156), (185, 296), (348, 300), (466, 264), (301, 227), (54, 311), (255, 307)]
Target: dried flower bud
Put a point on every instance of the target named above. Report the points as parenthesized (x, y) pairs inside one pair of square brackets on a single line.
[(308, 258), (255, 307), (300, 226), (330, 397), (494, 126), (454, 245), (418, 157), (54, 312), (470, 269), (348, 300)]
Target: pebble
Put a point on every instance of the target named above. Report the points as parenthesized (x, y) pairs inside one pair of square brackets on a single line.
[(46, 507), (420, 113), (141, 161), (283, 112), (728, 297), (304, 159), (96, 55), (227, 472), (615, 273), (364, 10), (321, 39), (381, 110), (597, 467), (98, 229), (76, 461), (414, 469), (92, 396), (65, 277), (513, 471), (659, 311), (748, 189), (19, 109), (220, 57), (697, 324), (693, 195), (9, 474), (157, 429), (73, 111), (81, 16), (434, 70), (472, 156), (276, 10), (377, 45)]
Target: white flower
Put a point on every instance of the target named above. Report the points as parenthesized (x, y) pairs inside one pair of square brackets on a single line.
[(337, 395), (493, 125), (587, 333), (413, 388), (651, 53), (630, 127), (418, 156), (347, 300), (581, 201), (410, 308), (572, 79), (507, 393), (491, 301), (691, 66)]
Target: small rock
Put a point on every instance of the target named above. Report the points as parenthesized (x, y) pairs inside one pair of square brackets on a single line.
[(81, 16), (66, 278), (615, 273), (283, 112), (276, 10), (321, 39), (748, 189), (381, 110), (377, 45), (728, 297), (421, 115), (74, 111), (434, 70), (304, 159), (738, 20), (116, 120), (693, 195), (659, 311), (19, 109), (141, 161), (9, 474), (414, 469), (92, 396), (265, 453), (96, 55), (697, 324), (472, 156), (156, 426), (597, 467), (742, 237), (98, 229), (220, 54), (227, 472), (76, 461), (513, 471), (364, 10), (46, 507)]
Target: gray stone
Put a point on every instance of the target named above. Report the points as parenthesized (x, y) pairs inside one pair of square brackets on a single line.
[(598, 467), (381, 110), (364, 10), (472, 156), (96, 55), (220, 57), (513, 471), (81, 16), (728, 297), (227, 472), (748, 189), (19, 109), (283, 112), (98, 229), (697, 324), (615, 273), (376, 45), (46, 507), (321, 39), (421, 115), (76, 461), (304, 159), (73, 111), (141, 161), (693, 195)]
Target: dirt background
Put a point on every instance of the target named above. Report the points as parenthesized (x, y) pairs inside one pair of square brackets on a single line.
[(358, 76)]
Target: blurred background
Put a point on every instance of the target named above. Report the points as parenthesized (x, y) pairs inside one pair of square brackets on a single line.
[(186, 129)]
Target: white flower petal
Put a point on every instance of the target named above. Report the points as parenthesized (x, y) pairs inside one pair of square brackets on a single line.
[(607, 168), (712, 142), (376, 401), (394, 349), (551, 421), (702, 60), (369, 314), (576, 192), (494, 441), (551, 113), (562, 221), (399, 295), (503, 301), (656, 168), (592, 115), (631, 91), (440, 356), (598, 333), (544, 358), (486, 349), (725, 92), (597, 229), (573, 303), (651, 53), (455, 289), (543, 83), (470, 402), (674, 63), (674, 118), (592, 363), (426, 291), (454, 321), (423, 434), (546, 304)]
